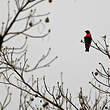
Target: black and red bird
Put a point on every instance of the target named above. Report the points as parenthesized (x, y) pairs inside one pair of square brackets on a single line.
[(87, 40)]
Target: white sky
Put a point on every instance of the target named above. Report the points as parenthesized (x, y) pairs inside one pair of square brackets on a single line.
[(68, 21)]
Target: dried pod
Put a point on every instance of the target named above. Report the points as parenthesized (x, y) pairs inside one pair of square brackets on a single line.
[(30, 24), (96, 73), (107, 45), (45, 104), (47, 20), (50, 1), (106, 107), (58, 97), (36, 95), (81, 40), (49, 30), (32, 99), (31, 10)]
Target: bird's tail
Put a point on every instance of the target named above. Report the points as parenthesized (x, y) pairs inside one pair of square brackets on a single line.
[(87, 50)]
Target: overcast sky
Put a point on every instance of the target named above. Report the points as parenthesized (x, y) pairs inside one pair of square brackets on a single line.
[(68, 21), (70, 18)]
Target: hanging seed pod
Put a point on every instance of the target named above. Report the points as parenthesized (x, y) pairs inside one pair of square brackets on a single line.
[(96, 73), (45, 104), (36, 95), (40, 101), (58, 97), (106, 107), (50, 1), (32, 99), (49, 30), (30, 24), (47, 20), (81, 40)]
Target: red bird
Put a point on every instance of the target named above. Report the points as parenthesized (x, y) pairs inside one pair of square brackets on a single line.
[(87, 40)]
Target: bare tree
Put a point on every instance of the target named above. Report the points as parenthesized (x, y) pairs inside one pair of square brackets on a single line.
[(14, 62), (35, 94), (101, 81)]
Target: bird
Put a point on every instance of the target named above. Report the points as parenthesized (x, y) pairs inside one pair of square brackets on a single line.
[(87, 40)]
